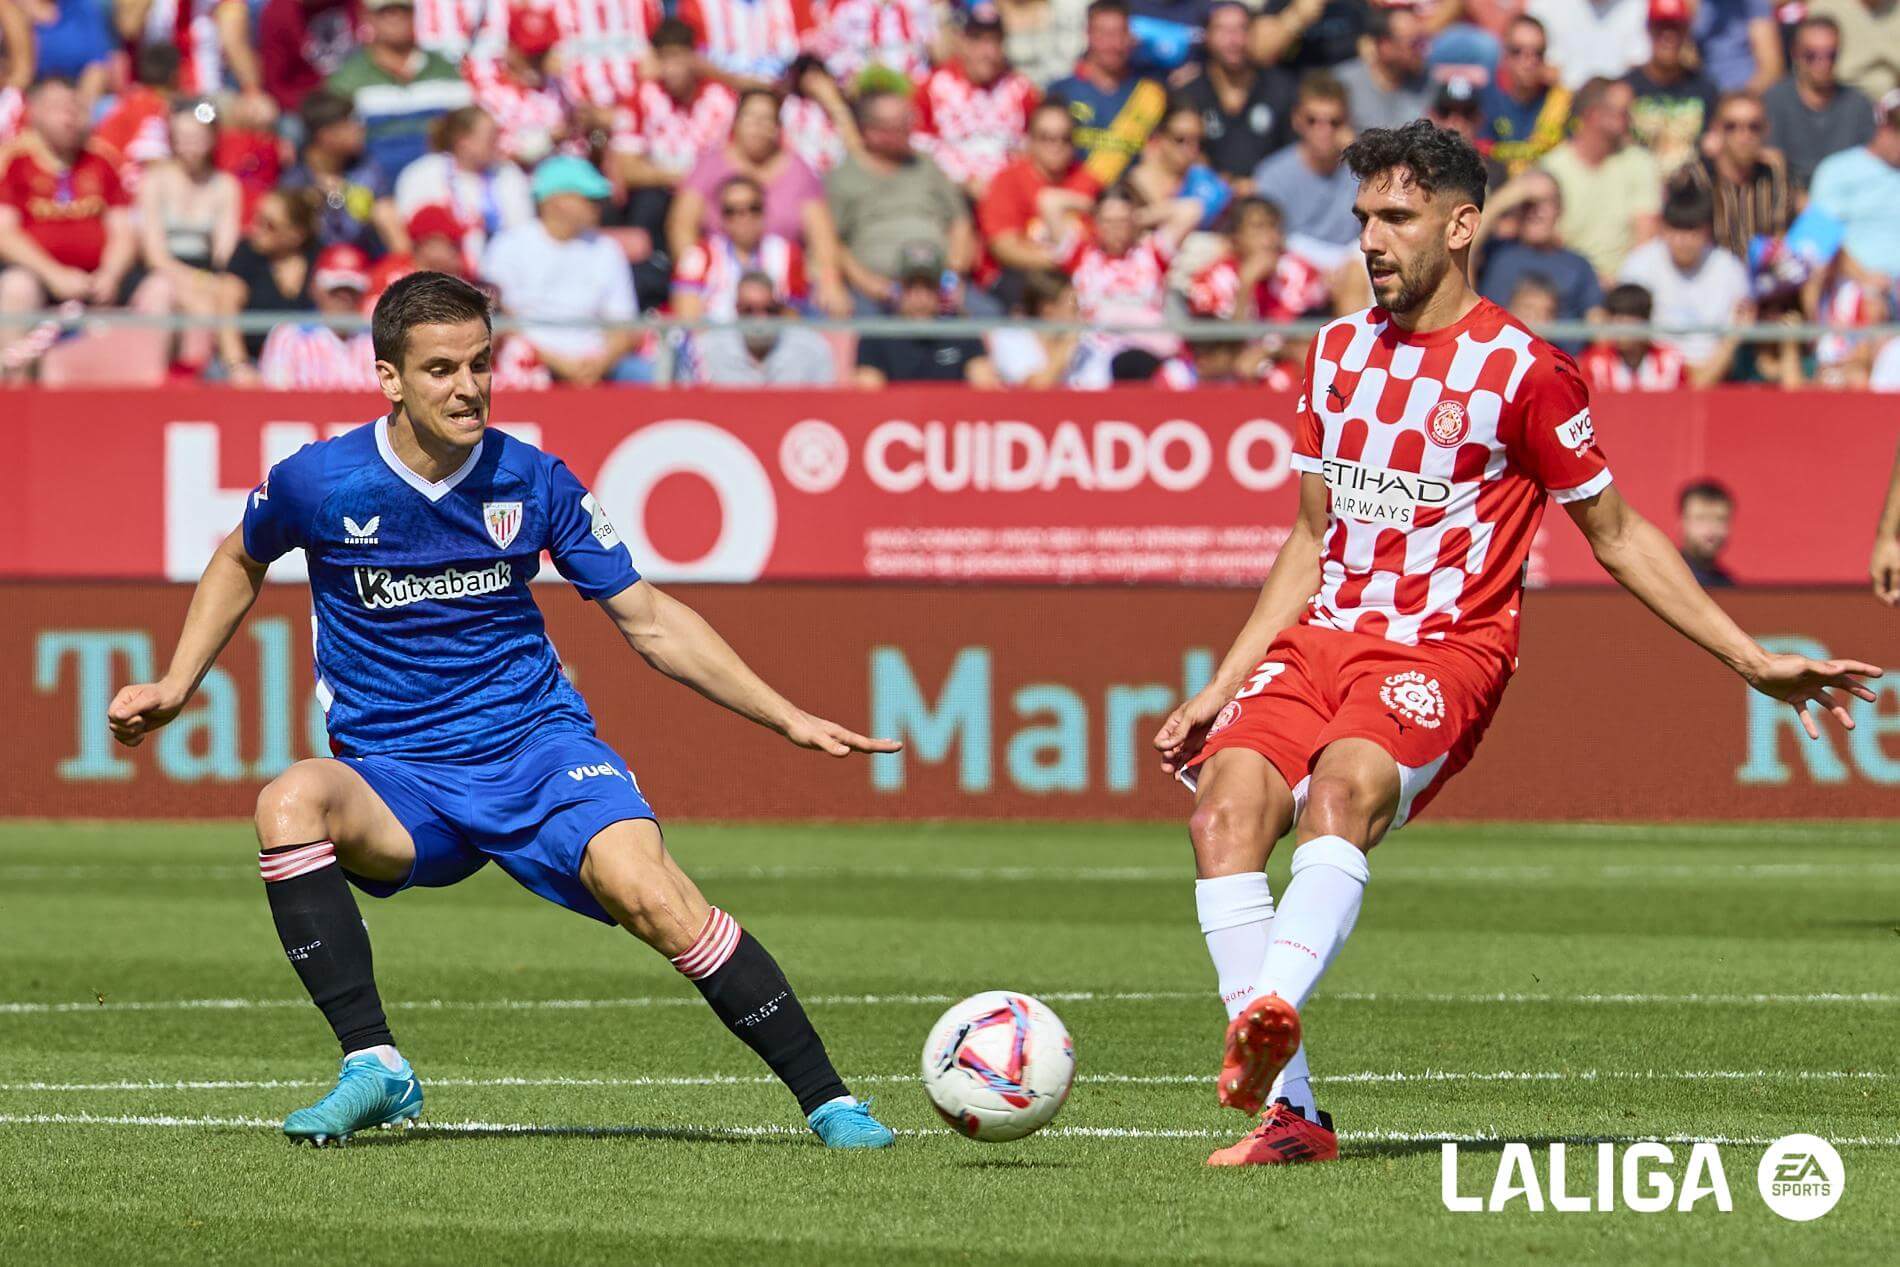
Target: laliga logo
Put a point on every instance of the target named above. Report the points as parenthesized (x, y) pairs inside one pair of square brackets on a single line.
[(1800, 1178)]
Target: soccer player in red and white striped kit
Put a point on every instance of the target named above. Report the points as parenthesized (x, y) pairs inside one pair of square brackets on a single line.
[(1432, 430)]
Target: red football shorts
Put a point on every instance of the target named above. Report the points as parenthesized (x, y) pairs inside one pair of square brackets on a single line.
[(1427, 706)]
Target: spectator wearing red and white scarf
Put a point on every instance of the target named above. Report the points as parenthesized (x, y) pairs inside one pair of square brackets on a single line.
[(528, 103), (752, 39), (706, 280), (854, 35), (973, 112)]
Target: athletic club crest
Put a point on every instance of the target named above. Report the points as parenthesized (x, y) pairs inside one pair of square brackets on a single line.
[(503, 521), (1449, 424)]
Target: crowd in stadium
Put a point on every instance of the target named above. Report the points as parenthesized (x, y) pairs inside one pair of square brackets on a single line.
[(1124, 162)]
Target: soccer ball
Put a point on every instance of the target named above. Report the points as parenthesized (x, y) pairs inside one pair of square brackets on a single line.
[(998, 1065)]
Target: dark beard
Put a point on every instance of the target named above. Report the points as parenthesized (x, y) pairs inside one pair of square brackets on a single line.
[(1416, 284)]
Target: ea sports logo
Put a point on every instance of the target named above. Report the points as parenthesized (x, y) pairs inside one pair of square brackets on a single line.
[(1414, 697), (1228, 716), (1800, 1177), (1449, 424)]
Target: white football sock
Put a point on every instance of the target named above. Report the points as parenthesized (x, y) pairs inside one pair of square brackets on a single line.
[(1236, 914), (391, 1058), (1316, 915)]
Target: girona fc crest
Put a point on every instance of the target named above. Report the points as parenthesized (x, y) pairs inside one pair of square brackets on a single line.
[(1228, 716), (503, 521), (1449, 424), (1414, 697)]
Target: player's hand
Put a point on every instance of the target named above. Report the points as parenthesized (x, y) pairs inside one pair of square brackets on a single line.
[(1798, 682), (1886, 570), (1181, 736), (136, 711), (829, 737)]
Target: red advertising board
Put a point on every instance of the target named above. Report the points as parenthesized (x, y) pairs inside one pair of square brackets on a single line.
[(921, 484), (1014, 702)]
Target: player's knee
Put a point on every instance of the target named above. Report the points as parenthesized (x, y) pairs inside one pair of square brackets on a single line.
[(1337, 806), (294, 807), (1229, 835)]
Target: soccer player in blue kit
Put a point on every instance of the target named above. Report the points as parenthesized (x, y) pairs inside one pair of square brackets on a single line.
[(459, 740)]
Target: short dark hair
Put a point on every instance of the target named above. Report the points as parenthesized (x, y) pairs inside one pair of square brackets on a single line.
[(1688, 206), (155, 65), (1816, 22), (422, 299), (1435, 158), (1041, 288), (1704, 490), (1254, 202), (672, 33), (1629, 300), (1536, 282), (322, 109), (1322, 85), (1108, 6)]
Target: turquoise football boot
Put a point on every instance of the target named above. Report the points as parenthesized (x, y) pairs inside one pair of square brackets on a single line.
[(367, 1094), (849, 1124)]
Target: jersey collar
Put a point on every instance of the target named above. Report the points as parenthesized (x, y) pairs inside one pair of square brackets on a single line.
[(434, 490)]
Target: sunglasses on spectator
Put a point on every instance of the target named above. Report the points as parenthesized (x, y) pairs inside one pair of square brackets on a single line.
[(1744, 125), (1323, 120), (741, 208), (1818, 55), (1524, 50), (753, 310), (1054, 138)]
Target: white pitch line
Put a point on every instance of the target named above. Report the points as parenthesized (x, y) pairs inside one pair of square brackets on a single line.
[(771, 1129), (25, 1008), (885, 1079), (1390, 871)]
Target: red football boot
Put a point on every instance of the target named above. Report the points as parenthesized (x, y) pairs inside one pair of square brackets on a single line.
[(1284, 1138), (1259, 1043)]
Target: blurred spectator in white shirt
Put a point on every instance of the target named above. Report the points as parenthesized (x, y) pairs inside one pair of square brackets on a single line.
[(465, 172), (1594, 38), (1693, 282)]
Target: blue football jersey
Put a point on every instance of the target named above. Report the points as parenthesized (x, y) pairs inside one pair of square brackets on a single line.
[(428, 644)]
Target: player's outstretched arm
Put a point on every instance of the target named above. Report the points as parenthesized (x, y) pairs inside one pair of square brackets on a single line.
[(1291, 583), (1885, 565), (677, 641), (225, 593), (1645, 563)]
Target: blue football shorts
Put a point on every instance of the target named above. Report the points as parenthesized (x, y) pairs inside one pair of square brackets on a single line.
[(533, 814)]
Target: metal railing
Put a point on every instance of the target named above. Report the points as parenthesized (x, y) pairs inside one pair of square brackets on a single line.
[(1191, 330)]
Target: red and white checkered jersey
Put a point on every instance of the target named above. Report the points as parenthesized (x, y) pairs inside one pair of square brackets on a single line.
[(712, 267), (759, 38), (192, 28), (854, 34), (524, 115), (673, 134), (1438, 450), (459, 28), (1661, 369), (810, 133), (602, 42), (972, 132), (1845, 305), (1293, 289)]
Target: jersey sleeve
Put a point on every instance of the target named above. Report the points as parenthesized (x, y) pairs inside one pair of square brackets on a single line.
[(279, 511), (581, 539), (1555, 441), (1308, 438)]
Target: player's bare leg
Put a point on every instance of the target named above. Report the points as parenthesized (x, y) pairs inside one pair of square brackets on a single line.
[(314, 821), (630, 873)]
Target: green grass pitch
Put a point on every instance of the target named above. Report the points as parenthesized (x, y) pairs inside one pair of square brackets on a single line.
[(1523, 982)]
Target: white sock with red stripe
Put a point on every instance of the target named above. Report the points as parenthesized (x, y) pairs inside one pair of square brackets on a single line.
[(1316, 915), (276, 865), (1236, 915)]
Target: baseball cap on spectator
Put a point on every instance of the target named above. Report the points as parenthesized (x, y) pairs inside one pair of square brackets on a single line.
[(983, 17), (434, 221), (1669, 12), (919, 262), (1455, 96), (342, 267), (568, 174), (531, 30)]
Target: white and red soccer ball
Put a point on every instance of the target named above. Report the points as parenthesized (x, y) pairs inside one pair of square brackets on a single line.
[(998, 1065)]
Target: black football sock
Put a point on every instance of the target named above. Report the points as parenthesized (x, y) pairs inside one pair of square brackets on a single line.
[(749, 993), (325, 940)]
